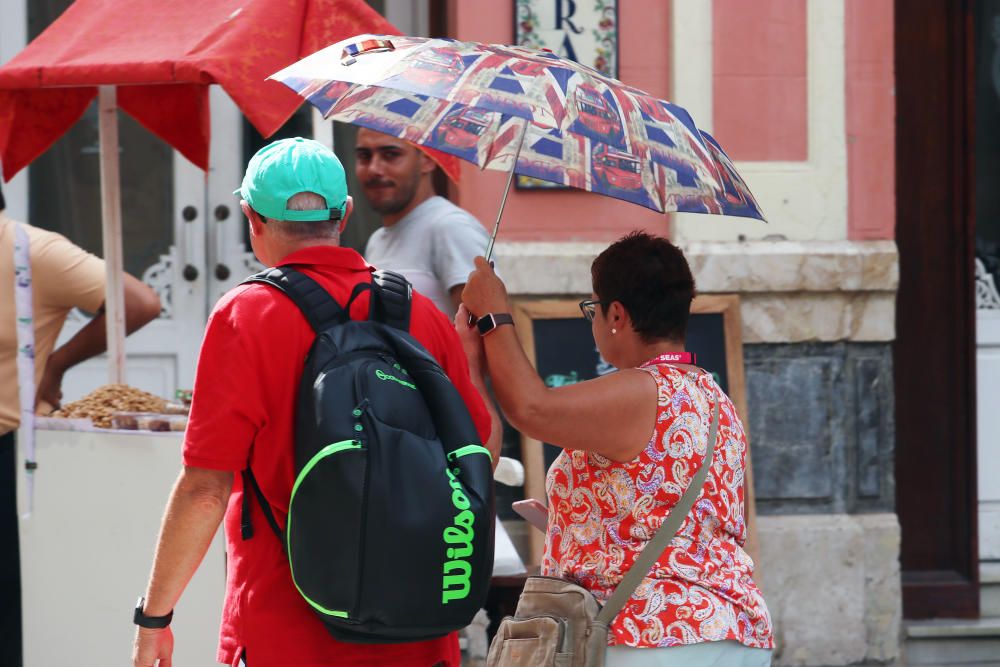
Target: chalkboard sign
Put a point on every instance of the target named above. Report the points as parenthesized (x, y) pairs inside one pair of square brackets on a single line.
[(559, 342), (565, 353)]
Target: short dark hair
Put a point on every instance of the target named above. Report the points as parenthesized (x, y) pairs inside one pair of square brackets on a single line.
[(652, 280), (3, 204)]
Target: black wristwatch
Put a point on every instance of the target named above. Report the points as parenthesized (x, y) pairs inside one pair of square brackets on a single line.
[(491, 321), (143, 621)]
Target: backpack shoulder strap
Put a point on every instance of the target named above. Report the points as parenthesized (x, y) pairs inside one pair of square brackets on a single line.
[(246, 524), (392, 297), (322, 311), (319, 308)]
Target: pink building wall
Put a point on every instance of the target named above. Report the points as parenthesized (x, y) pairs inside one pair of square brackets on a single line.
[(759, 79), (871, 120), (759, 62)]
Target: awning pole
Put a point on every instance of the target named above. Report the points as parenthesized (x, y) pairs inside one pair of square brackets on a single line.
[(111, 232)]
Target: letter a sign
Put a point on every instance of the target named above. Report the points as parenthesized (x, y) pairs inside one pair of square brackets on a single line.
[(582, 30)]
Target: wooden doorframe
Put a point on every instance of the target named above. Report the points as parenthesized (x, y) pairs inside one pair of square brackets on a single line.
[(934, 351)]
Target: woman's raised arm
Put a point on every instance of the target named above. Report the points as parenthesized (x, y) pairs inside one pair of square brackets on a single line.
[(613, 415)]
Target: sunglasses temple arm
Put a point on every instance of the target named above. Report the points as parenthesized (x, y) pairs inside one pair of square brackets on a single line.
[(506, 190)]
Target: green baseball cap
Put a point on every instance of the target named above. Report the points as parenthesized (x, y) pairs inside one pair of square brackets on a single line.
[(287, 167)]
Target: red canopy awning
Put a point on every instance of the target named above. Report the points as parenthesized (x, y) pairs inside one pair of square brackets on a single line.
[(162, 56)]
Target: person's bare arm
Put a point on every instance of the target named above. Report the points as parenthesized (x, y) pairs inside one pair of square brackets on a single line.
[(195, 509), (613, 415), (142, 305), (475, 355), (456, 296), (495, 441)]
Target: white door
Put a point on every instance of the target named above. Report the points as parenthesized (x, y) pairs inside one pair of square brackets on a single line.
[(195, 227), (229, 259), (987, 416), (986, 18)]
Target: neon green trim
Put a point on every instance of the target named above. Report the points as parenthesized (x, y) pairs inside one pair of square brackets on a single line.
[(321, 454), (382, 375), (469, 449)]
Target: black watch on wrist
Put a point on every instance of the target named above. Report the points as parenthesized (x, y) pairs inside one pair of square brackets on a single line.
[(491, 321), (153, 622)]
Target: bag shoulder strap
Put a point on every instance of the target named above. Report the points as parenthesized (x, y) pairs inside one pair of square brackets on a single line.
[(390, 304), (321, 311), (666, 533), (246, 523), (392, 297), (319, 308)]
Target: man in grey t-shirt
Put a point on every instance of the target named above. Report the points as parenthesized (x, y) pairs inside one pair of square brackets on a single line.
[(425, 237)]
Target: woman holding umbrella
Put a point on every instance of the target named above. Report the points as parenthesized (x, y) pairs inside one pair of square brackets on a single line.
[(632, 440)]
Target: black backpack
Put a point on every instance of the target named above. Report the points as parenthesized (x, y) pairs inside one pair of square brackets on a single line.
[(390, 522)]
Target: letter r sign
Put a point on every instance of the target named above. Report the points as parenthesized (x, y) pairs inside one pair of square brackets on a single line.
[(566, 16), (582, 30)]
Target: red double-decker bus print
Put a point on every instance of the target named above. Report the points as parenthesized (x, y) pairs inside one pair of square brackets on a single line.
[(595, 113), (654, 109), (434, 67), (614, 169), (528, 67), (462, 128)]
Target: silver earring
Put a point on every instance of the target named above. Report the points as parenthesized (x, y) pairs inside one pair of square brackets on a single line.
[(614, 331)]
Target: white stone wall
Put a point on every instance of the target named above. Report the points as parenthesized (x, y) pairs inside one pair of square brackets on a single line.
[(832, 584), (790, 291)]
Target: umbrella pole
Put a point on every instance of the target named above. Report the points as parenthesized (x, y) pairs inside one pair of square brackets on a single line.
[(322, 128), (111, 233), (506, 190)]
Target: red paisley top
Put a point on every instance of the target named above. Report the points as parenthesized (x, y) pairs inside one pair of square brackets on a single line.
[(602, 513)]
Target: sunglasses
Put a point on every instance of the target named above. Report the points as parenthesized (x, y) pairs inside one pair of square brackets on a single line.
[(589, 308)]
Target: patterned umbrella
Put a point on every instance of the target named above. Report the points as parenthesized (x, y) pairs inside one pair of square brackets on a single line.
[(527, 112)]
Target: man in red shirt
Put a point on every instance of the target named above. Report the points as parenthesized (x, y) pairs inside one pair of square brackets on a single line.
[(295, 198)]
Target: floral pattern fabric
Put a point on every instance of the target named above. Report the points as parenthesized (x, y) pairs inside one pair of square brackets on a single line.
[(602, 513)]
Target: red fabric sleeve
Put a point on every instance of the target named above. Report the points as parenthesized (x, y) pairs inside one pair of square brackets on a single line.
[(226, 410)]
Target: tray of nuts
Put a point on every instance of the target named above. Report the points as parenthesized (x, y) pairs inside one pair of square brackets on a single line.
[(99, 405)]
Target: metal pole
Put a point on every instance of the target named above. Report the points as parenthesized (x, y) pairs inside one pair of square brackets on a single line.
[(111, 232), (503, 202), (322, 129)]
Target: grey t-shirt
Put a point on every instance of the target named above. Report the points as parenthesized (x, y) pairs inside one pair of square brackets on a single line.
[(433, 246)]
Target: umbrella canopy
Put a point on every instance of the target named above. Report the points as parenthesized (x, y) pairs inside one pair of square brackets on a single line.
[(527, 112), (163, 55)]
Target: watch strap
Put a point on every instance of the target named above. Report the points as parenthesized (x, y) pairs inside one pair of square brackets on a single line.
[(491, 321), (140, 618)]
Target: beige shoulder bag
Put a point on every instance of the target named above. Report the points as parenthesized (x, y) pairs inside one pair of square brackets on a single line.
[(561, 624)]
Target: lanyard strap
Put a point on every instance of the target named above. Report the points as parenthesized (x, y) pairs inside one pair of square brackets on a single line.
[(25, 354), (664, 534), (673, 358)]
